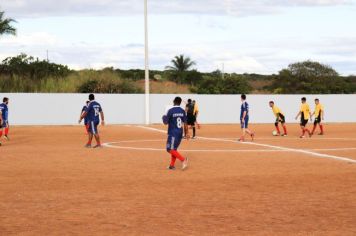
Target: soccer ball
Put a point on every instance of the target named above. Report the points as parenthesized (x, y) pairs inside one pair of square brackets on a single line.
[(274, 133)]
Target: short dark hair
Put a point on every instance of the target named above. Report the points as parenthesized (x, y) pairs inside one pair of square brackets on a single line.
[(317, 99), (5, 99), (87, 102), (177, 100), (304, 99), (91, 97), (271, 102), (189, 100), (243, 96)]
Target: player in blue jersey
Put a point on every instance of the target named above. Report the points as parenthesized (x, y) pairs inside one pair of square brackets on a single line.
[(92, 113), (4, 120), (244, 119), (176, 120), (86, 124)]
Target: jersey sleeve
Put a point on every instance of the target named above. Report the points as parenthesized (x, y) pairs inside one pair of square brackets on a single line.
[(100, 109)]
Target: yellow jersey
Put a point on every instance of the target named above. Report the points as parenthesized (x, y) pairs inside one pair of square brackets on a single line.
[(305, 110), (318, 109), (276, 111), (196, 109)]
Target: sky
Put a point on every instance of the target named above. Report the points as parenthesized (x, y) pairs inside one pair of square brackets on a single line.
[(241, 36)]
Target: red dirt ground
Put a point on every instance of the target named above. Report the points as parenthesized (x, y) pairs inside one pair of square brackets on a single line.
[(51, 185)]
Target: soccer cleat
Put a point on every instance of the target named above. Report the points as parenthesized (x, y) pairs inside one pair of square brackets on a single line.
[(310, 135), (98, 146), (185, 164), (0, 144), (6, 137), (302, 136), (253, 136), (171, 168), (193, 137), (284, 135), (320, 133), (87, 146)]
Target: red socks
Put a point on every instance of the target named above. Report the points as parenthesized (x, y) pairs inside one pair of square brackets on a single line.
[(173, 161), (176, 154), (321, 128), (285, 129), (314, 129), (277, 128), (6, 130), (0, 132)]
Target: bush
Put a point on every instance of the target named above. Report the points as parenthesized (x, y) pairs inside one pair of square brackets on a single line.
[(228, 85)]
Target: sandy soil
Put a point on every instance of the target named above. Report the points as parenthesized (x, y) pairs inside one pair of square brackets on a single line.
[(51, 185)]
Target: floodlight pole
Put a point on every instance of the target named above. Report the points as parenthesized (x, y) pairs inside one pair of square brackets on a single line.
[(147, 78)]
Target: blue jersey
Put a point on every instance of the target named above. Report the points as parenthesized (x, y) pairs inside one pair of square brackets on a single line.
[(86, 117), (5, 111), (93, 111), (176, 118), (244, 108)]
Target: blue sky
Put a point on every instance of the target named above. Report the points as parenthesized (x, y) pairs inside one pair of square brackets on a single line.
[(246, 36)]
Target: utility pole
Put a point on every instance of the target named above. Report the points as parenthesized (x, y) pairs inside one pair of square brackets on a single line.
[(147, 77)]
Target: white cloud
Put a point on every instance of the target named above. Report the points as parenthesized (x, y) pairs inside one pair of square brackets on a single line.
[(45, 8)]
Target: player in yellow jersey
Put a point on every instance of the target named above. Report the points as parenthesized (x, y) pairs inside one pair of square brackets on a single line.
[(279, 118), (305, 115), (319, 116)]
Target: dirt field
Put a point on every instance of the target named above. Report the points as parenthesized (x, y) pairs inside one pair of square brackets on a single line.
[(51, 185)]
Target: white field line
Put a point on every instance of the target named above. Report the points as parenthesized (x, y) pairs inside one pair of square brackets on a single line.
[(314, 154)]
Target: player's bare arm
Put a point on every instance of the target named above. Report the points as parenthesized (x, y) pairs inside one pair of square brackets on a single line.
[(299, 113), (84, 114), (243, 117), (102, 118), (80, 117)]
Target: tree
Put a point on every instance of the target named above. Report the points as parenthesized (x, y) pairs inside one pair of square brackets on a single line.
[(180, 65), (5, 25), (309, 77)]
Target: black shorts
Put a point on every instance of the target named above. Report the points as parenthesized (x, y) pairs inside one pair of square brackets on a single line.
[(191, 119), (281, 118), (317, 120), (303, 122)]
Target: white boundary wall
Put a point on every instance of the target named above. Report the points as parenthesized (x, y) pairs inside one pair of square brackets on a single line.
[(64, 109)]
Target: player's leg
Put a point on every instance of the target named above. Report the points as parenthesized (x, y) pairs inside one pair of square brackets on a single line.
[(321, 126), (315, 124), (283, 123), (172, 146), (276, 124), (96, 135), (91, 134), (247, 130), (6, 130)]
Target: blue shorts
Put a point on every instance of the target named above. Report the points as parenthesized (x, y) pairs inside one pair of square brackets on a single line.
[(173, 142), (93, 127), (244, 125)]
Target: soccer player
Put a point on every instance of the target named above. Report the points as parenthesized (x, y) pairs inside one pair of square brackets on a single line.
[(196, 113), (4, 125), (85, 118), (304, 114), (319, 116), (176, 120), (191, 119), (244, 118), (279, 118), (92, 112)]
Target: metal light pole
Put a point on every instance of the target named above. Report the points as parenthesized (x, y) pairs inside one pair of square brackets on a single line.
[(147, 78)]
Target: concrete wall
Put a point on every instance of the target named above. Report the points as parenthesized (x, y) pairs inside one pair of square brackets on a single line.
[(64, 109)]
